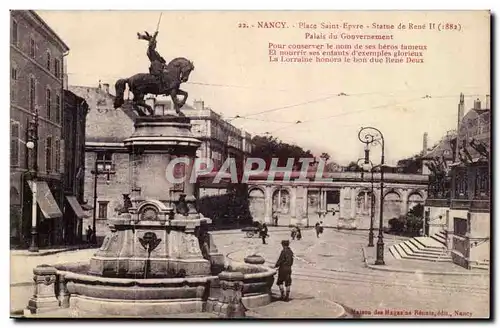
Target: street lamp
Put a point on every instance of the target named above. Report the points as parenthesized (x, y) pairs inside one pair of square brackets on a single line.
[(369, 136), (32, 145), (96, 172), (372, 196)]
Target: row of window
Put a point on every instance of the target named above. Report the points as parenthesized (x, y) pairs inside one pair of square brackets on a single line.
[(52, 150), (53, 106), (53, 65)]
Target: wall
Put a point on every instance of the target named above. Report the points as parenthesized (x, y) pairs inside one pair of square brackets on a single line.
[(111, 192), (308, 201)]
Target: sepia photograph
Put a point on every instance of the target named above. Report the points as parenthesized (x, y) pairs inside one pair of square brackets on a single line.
[(217, 164)]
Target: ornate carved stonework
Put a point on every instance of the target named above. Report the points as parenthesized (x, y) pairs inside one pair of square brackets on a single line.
[(149, 212)]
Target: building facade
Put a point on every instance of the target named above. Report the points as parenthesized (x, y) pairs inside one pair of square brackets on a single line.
[(36, 84), (339, 199), (459, 197), (74, 118)]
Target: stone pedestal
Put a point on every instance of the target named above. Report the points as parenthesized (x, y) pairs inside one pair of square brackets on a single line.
[(159, 235), (229, 303), (44, 296), (157, 143)]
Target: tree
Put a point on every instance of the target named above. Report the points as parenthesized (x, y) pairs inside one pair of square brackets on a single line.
[(269, 147), (325, 156), (417, 210), (411, 164), (333, 167), (353, 167)]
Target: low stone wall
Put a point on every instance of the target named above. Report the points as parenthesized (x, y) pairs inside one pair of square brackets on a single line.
[(227, 294)]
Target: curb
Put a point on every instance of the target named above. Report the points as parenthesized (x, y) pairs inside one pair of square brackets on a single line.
[(57, 251), (440, 273), (237, 231)]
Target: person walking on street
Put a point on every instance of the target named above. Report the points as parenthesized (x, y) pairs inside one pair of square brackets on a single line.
[(284, 265), (89, 234), (263, 233), (298, 233), (319, 228), (275, 219), (294, 232)]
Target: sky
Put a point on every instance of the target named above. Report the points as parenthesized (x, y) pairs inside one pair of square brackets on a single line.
[(234, 76)]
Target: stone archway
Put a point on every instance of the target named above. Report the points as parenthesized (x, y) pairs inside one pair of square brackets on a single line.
[(363, 202), (281, 205), (414, 199), (363, 209), (392, 206), (256, 204)]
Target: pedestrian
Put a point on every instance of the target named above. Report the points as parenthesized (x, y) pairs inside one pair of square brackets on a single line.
[(284, 265), (263, 233), (316, 227), (320, 227), (299, 233), (275, 219), (294, 232), (89, 234)]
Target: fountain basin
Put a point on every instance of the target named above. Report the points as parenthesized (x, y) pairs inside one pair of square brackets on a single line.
[(137, 297)]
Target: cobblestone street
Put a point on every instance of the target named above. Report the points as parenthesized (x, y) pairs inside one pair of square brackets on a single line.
[(329, 268)]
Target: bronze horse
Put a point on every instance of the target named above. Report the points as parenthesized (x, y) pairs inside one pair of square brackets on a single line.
[(175, 73)]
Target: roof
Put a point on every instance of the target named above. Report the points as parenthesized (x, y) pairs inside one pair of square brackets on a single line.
[(31, 14), (475, 126), (104, 122), (442, 148)]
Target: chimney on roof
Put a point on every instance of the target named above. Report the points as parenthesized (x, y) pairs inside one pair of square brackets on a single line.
[(105, 87), (477, 104), (199, 104), (461, 107), (425, 144)]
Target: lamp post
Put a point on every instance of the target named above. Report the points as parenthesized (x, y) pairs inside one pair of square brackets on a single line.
[(96, 173), (371, 136), (32, 145), (372, 200)]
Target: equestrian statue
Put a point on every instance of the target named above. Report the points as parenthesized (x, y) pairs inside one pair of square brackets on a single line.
[(162, 79)]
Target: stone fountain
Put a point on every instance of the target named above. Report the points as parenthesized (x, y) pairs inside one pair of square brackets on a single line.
[(158, 257)]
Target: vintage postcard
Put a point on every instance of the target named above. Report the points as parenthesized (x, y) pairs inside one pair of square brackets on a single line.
[(257, 164)]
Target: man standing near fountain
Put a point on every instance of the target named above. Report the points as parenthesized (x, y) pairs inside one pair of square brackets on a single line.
[(284, 265)]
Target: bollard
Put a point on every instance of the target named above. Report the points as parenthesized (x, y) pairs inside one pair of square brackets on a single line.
[(44, 295), (230, 299)]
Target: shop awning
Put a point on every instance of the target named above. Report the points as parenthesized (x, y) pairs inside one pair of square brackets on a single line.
[(77, 208), (45, 200)]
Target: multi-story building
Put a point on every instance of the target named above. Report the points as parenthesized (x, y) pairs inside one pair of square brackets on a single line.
[(74, 117), (107, 128), (36, 80), (459, 197)]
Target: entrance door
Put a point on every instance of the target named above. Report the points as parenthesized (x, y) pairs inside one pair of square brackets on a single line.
[(281, 206)]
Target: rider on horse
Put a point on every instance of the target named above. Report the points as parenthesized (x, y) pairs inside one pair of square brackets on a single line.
[(157, 68)]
